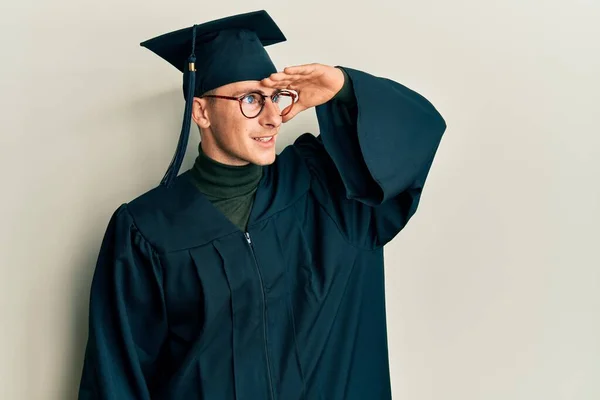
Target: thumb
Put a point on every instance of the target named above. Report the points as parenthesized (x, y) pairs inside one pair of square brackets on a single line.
[(296, 108)]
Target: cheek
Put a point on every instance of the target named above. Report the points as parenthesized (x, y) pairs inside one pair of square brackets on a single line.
[(222, 120), (234, 130)]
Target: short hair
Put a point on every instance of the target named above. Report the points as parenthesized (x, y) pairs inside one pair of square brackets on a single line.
[(212, 92)]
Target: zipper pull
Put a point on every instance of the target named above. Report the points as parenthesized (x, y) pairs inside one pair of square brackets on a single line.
[(248, 238)]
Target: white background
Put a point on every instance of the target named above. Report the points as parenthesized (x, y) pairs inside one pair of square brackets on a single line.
[(493, 288)]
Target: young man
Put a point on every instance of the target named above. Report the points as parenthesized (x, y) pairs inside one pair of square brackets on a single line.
[(254, 276)]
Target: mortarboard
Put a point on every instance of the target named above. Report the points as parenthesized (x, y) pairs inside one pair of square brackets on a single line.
[(214, 54)]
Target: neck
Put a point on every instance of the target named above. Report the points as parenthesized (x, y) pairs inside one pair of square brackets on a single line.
[(222, 181), (211, 150)]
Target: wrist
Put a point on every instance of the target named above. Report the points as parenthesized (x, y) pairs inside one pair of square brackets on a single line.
[(345, 93)]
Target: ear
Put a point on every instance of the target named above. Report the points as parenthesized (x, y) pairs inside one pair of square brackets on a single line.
[(200, 112)]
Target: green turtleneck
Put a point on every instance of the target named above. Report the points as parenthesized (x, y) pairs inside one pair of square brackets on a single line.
[(231, 189)]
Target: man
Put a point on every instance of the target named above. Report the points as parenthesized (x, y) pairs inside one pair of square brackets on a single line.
[(254, 276)]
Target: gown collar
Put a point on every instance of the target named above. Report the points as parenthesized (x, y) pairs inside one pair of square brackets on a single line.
[(180, 216)]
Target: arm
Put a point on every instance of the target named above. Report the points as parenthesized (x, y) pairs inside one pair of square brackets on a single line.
[(127, 321), (370, 162)]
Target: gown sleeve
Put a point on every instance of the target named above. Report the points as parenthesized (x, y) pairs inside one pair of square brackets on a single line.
[(376, 145), (127, 318)]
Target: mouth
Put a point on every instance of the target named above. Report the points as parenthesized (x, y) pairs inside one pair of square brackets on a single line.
[(265, 140)]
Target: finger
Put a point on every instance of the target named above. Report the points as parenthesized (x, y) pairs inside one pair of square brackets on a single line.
[(281, 80), (278, 76), (296, 108), (288, 85), (282, 76), (280, 84), (304, 69)]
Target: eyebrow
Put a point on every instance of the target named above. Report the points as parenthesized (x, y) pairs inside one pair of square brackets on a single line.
[(250, 90)]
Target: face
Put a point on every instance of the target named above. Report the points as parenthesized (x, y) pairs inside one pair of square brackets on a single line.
[(228, 136)]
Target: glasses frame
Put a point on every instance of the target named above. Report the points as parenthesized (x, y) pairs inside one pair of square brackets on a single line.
[(239, 99)]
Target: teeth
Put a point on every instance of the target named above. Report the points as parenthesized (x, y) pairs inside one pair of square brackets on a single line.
[(266, 139)]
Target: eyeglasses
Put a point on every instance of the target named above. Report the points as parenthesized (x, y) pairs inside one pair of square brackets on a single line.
[(252, 104)]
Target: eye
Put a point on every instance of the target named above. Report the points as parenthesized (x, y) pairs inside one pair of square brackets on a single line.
[(251, 98), (276, 98)]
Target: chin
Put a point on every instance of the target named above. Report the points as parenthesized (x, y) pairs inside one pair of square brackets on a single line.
[(264, 160)]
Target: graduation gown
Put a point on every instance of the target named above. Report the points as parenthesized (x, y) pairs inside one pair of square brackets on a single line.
[(185, 305)]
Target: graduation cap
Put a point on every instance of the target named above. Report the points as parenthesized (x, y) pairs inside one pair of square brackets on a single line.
[(214, 54)]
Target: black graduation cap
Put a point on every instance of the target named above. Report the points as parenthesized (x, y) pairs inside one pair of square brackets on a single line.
[(213, 54)]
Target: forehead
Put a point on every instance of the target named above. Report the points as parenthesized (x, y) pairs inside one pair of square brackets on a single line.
[(241, 87)]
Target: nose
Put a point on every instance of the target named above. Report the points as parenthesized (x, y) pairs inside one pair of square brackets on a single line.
[(271, 115)]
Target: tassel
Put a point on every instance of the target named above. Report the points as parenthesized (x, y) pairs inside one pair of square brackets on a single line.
[(175, 165)]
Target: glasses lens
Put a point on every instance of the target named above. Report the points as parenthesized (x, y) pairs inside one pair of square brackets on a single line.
[(252, 104), (283, 101)]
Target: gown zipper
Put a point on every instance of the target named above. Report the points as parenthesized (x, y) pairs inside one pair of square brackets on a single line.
[(264, 313)]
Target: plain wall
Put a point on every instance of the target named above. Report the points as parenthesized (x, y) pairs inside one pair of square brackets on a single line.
[(492, 288)]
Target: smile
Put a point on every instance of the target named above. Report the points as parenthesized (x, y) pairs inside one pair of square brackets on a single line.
[(264, 139)]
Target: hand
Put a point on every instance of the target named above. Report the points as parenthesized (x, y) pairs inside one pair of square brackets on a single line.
[(315, 84)]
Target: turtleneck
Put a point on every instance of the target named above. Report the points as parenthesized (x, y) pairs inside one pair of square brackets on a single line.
[(230, 188)]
